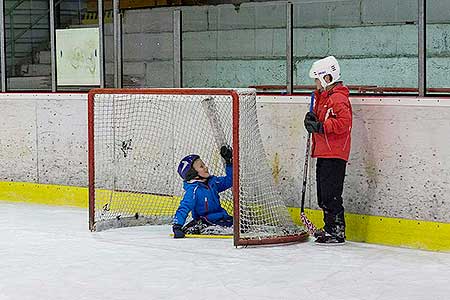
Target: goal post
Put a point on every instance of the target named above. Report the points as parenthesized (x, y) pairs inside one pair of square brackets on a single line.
[(137, 137)]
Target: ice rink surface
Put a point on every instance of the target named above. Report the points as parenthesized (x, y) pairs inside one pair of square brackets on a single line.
[(49, 253)]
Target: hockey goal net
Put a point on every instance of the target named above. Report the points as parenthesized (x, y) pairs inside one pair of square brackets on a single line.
[(137, 137)]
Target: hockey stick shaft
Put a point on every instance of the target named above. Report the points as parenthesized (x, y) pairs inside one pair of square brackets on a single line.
[(209, 106), (308, 224), (305, 165)]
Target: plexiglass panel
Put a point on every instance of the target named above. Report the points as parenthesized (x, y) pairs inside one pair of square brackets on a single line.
[(438, 47), (27, 45), (77, 45), (234, 46), (375, 42), (147, 48)]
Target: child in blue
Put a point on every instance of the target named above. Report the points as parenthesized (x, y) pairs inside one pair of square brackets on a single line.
[(202, 193)]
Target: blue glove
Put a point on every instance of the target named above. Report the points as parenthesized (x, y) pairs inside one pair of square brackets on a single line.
[(178, 233)]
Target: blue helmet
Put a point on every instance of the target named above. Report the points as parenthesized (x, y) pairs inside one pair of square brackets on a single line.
[(186, 165)]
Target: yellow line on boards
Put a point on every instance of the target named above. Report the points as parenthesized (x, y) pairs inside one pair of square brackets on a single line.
[(44, 194), (360, 228), (388, 231)]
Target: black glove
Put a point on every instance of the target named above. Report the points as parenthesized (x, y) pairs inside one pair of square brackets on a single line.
[(227, 153), (312, 124), (178, 233)]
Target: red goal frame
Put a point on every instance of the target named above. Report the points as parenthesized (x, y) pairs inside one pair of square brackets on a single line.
[(238, 241)]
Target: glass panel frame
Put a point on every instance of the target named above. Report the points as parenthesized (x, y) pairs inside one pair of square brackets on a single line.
[(246, 45), (376, 44), (84, 59), (148, 48), (28, 34), (437, 47)]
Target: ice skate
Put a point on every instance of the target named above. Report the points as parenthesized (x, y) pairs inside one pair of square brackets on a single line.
[(329, 240)]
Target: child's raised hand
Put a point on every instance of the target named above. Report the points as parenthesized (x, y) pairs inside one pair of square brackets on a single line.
[(227, 153)]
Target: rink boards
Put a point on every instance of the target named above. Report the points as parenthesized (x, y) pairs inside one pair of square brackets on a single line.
[(397, 178)]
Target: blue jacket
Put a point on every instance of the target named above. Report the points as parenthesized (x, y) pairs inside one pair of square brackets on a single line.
[(202, 198)]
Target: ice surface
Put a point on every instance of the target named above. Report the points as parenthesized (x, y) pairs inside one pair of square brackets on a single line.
[(48, 253)]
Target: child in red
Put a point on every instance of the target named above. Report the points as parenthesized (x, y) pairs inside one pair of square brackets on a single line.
[(330, 123)]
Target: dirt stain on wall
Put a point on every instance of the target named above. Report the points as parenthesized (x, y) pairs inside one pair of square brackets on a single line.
[(276, 168)]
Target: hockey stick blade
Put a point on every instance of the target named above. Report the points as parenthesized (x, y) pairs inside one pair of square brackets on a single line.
[(308, 224), (206, 236)]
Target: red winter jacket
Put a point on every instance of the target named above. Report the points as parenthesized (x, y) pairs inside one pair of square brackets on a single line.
[(334, 110)]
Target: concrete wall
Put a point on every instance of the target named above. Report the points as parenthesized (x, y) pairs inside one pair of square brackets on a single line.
[(43, 139), (239, 46), (399, 164)]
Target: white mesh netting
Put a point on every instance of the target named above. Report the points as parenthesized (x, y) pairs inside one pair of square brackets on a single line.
[(139, 139)]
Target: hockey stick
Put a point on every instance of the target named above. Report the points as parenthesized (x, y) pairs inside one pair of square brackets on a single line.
[(210, 109), (206, 236), (308, 224)]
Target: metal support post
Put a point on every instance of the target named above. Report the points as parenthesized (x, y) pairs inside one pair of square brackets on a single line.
[(117, 45), (53, 45), (3, 45), (101, 48), (422, 47), (289, 48), (177, 54)]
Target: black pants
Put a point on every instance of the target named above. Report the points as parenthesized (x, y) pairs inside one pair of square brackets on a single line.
[(330, 174)]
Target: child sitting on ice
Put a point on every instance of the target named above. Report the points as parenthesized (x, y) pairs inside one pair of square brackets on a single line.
[(202, 194)]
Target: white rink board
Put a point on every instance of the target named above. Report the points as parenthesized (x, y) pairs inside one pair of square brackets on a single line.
[(400, 159), (44, 140)]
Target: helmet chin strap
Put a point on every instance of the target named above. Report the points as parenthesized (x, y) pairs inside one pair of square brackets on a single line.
[(323, 82)]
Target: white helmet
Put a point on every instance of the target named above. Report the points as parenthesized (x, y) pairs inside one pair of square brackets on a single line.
[(326, 66)]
